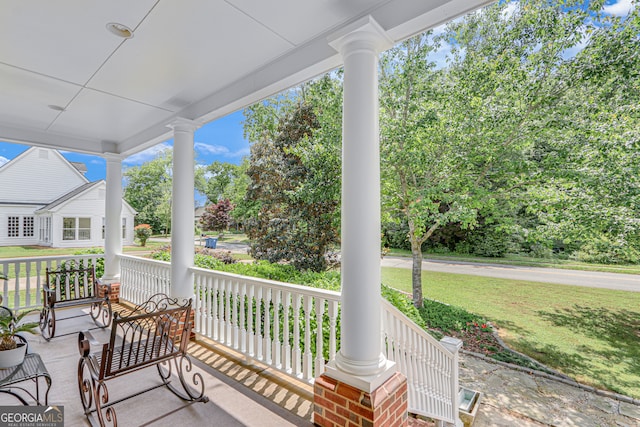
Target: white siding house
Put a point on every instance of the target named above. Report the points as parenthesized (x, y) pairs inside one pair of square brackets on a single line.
[(46, 200)]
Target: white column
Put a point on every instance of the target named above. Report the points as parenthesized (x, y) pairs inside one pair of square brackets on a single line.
[(360, 354), (182, 209), (112, 219)]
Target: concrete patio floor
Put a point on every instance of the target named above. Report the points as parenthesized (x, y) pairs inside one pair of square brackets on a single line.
[(240, 394), (244, 393)]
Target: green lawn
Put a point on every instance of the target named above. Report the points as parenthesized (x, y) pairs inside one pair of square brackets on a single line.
[(40, 251), (592, 335)]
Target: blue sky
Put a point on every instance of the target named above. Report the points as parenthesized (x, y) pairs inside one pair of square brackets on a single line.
[(220, 140)]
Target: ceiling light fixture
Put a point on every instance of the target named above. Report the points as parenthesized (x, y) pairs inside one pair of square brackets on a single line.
[(120, 30)]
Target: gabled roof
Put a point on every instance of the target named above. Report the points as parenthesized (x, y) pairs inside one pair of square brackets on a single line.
[(76, 167), (70, 195), (76, 193)]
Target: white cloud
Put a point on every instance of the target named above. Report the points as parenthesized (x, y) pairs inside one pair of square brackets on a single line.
[(211, 149), (219, 150), (146, 155), (3, 160), (620, 8)]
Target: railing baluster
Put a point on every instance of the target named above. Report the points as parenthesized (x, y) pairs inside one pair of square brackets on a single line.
[(258, 324), (227, 312), (319, 362), (297, 354), (266, 339), (276, 350), (307, 356), (286, 348), (234, 311), (250, 335)]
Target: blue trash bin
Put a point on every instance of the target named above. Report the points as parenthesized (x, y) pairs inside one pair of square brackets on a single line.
[(210, 242)]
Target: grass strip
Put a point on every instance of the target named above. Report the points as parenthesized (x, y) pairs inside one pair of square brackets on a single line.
[(592, 335)]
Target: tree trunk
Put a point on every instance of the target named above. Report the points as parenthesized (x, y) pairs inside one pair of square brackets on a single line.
[(416, 272)]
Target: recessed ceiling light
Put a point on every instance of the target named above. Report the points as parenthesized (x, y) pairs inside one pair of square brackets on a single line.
[(120, 30), (56, 107)]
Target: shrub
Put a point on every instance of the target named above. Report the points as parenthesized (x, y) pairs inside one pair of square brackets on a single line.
[(448, 318), (142, 232), (604, 250), (99, 263), (403, 303)]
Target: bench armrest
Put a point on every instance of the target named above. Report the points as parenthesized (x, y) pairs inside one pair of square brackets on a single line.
[(85, 341)]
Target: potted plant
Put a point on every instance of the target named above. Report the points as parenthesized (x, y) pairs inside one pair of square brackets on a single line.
[(13, 346)]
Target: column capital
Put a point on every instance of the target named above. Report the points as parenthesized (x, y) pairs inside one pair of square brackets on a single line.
[(112, 157), (180, 124), (365, 33)]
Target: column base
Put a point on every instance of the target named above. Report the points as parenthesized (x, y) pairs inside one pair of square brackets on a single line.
[(114, 295), (337, 403)]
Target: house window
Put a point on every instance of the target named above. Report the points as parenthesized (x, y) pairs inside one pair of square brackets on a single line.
[(68, 229), (27, 226), (13, 229), (84, 228), (81, 232)]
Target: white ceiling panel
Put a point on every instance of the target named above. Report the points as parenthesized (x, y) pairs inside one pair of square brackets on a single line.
[(24, 97), (177, 57), (103, 117), (313, 17), (196, 59), (65, 39)]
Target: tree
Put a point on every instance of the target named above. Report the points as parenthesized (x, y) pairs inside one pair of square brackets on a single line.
[(142, 232), (471, 143), (216, 216), (296, 192), (148, 190), (221, 175)]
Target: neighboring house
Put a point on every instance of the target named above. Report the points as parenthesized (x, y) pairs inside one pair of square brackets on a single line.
[(198, 215), (46, 200)]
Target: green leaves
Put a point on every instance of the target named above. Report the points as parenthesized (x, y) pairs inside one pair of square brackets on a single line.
[(293, 176)]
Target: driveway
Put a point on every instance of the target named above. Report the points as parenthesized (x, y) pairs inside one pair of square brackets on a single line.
[(591, 279)]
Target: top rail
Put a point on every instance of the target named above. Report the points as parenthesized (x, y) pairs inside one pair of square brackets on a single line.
[(26, 276)]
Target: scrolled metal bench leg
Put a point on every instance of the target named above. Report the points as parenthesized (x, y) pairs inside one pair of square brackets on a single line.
[(47, 323), (85, 385), (100, 314), (192, 392), (106, 416)]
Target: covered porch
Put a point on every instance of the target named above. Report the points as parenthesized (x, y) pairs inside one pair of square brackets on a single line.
[(272, 336), (240, 392), (115, 79)]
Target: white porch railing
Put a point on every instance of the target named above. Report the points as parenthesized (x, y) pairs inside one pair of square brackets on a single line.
[(288, 327), (293, 329), (431, 369), (141, 278), (26, 276)]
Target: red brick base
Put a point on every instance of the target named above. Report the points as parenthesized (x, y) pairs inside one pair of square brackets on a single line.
[(114, 295), (339, 404)]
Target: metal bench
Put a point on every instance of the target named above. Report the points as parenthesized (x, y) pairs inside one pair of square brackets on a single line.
[(155, 333), (71, 288)]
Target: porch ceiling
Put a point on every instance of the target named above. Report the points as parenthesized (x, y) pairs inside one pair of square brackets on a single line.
[(197, 59)]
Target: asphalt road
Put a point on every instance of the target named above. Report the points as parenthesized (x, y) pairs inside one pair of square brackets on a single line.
[(592, 279)]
